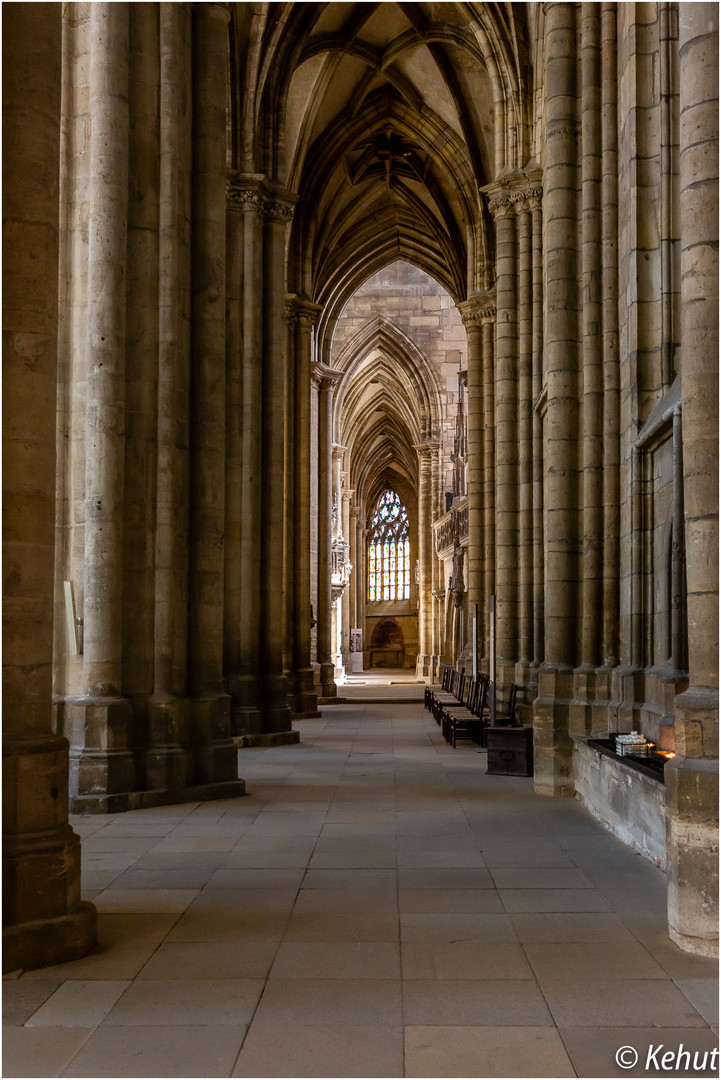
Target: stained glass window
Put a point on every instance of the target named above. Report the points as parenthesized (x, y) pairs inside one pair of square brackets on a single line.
[(389, 551)]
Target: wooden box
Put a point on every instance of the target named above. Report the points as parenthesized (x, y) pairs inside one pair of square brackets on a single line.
[(510, 750)]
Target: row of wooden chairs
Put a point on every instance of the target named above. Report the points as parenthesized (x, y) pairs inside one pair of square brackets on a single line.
[(461, 706)]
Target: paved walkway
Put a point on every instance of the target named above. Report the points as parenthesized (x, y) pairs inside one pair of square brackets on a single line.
[(376, 907)]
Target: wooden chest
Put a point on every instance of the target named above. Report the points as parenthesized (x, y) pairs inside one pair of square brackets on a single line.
[(510, 750)]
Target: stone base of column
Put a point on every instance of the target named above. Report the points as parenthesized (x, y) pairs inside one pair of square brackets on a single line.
[(588, 709), (100, 761), (692, 844), (46, 922), (246, 715), (526, 679), (50, 941), (328, 688), (166, 764), (424, 666), (213, 757), (144, 800), (267, 738), (552, 745), (276, 710), (305, 698), (628, 686)]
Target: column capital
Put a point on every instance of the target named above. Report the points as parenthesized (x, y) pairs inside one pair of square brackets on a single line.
[(245, 191), (514, 192), (300, 309), (279, 205), (338, 451), (355, 510), (426, 449), (478, 309), (348, 494), (324, 377)]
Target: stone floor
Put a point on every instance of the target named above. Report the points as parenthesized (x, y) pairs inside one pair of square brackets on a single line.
[(377, 906)]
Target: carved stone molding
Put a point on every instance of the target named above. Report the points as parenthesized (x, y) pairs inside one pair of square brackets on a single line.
[(323, 377), (477, 310), (277, 212), (245, 192)]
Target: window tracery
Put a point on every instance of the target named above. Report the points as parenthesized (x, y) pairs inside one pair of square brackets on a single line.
[(389, 551)]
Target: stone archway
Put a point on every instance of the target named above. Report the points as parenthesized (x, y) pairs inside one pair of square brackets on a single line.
[(387, 648)]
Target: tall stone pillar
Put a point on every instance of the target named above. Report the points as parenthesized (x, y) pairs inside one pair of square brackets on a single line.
[(553, 746), (168, 708), (488, 337), (249, 194), (44, 920), (355, 556), (522, 203), (102, 766), (214, 754), (425, 555), (359, 570), (611, 374), (326, 380), (346, 599), (537, 423), (471, 312), (304, 315), (692, 776), (233, 549), (337, 533), (506, 432), (276, 710)]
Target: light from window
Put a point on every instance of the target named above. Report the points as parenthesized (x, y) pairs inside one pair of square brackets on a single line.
[(389, 551)]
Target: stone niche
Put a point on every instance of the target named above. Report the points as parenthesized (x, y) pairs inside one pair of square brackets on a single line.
[(391, 638)]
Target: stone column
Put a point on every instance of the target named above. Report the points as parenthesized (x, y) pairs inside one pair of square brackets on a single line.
[(305, 315), (326, 380), (233, 546), (360, 574), (101, 761), (425, 555), (471, 313), (347, 494), (276, 710), (247, 716), (215, 757), (337, 531), (168, 709), (506, 436), (611, 397), (355, 556), (488, 337), (553, 747), (522, 203), (45, 921), (536, 390), (692, 776)]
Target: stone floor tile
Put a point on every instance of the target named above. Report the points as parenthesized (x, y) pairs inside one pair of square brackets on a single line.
[(520, 877), (144, 901), (349, 879), (234, 877), (313, 1002), (443, 878), (79, 1003), (23, 997), (525, 854), (377, 898), (99, 843), (343, 926), (704, 996), (192, 1001), (463, 960), (593, 960), (474, 1001), (485, 1051), (425, 859), (41, 1051), (296, 1051), (456, 927), (619, 1003), (539, 928), (552, 900), (593, 1050), (448, 901), (204, 925), (175, 1051), (209, 960), (342, 859), (337, 960)]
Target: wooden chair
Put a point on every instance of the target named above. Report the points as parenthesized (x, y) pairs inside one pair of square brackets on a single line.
[(469, 722)]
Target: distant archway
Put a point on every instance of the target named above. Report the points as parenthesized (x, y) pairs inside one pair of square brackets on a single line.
[(387, 645)]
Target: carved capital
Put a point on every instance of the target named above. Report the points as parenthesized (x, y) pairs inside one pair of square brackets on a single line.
[(277, 212), (301, 310), (324, 377), (244, 191), (477, 310), (500, 205)]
